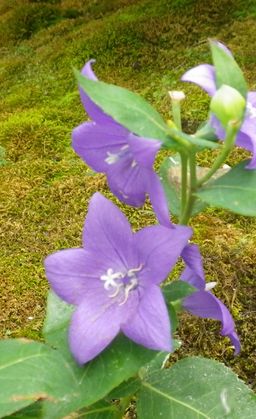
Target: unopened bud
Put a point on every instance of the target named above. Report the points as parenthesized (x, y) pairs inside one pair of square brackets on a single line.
[(177, 95), (228, 105)]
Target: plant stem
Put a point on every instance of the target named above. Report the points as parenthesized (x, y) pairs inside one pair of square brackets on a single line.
[(229, 142), (186, 213), (184, 180)]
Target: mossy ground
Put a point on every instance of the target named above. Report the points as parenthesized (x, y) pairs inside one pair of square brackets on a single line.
[(144, 45)]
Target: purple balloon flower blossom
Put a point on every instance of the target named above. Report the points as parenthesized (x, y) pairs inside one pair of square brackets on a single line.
[(114, 281), (203, 303), (125, 158), (204, 75)]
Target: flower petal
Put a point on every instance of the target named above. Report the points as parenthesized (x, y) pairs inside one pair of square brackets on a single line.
[(69, 275), (204, 76), (94, 325), (94, 111), (150, 326), (159, 248), (128, 181), (205, 304), (94, 143), (144, 150), (158, 199), (193, 272), (108, 234)]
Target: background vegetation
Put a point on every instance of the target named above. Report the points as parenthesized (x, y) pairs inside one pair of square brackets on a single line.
[(144, 45)]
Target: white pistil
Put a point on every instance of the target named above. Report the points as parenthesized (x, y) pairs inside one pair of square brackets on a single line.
[(110, 279), (210, 285), (113, 281)]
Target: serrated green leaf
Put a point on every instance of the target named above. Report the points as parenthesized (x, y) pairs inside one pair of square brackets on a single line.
[(235, 191), (227, 70), (127, 108), (195, 388)]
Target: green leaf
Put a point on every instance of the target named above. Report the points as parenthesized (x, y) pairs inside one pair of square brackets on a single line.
[(27, 373), (195, 388), (227, 70), (101, 410), (120, 361), (235, 191), (34, 411), (177, 290), (58, 315), (127, 108), (170, 176), (125, 389)]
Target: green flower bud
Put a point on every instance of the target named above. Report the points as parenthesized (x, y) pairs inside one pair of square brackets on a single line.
[(228, 105)]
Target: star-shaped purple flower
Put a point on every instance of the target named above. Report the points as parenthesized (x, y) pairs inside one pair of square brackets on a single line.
[(114, 281), (203, 303), (204, 75), (125, 158)]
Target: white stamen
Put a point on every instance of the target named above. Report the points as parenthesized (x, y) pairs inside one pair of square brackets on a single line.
[(133, 284), (125, 147), (112, 158), (134, 163), (116, 292), (210, 285), (130, 273), (251, 110), (113, 281)]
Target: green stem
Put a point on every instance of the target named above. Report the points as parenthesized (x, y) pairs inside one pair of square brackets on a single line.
[(192, 189), (229, 142), (176, 113), (178, 136), (184, 180)]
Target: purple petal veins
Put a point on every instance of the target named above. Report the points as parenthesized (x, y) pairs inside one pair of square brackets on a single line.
[(204, 76), (114, 281), (203, 303), (125, 158)]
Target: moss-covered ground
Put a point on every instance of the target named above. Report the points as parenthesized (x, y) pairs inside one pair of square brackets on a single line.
[(144, 45)]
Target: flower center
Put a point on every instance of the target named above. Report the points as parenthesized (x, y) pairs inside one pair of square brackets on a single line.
[(251, 110), (112, 158), (121, 283)]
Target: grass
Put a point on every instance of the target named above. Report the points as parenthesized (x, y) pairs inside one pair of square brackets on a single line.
[(145, 46)]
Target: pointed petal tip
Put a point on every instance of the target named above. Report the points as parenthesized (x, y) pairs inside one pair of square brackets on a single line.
[(87, 70)]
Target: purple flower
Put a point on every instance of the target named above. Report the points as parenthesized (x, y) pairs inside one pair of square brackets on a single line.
[(204, 76), (125, 158), (203, 303), (114, 281)]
